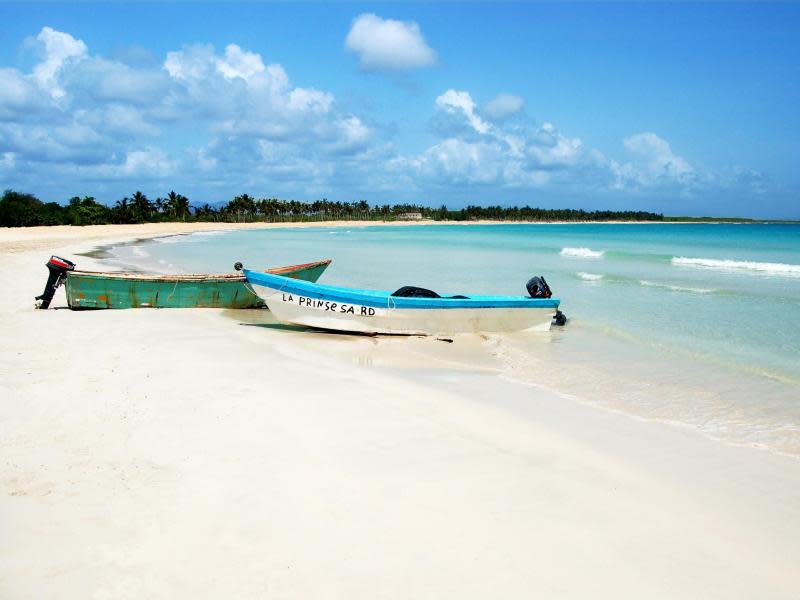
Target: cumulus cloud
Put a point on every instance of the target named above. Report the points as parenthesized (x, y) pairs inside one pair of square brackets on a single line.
[(475, 151), (653, 163), (503, 106), (228, 119), (386, 44), (658, 158), (104, 119), (239, 63), (99, 80), (149, 162), (241, 95), (548, 147), (461, 103), (58, 49), (18, 94)]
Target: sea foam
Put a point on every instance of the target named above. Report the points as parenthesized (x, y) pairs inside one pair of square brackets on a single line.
[(581, 252), (766, 268), (676, 288), (212, 233)]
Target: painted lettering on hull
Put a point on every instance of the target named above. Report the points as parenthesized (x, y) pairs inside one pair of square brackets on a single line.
[(328, 306)]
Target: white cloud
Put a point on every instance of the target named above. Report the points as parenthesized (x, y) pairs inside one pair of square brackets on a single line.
[(7, 161), (240, 95), (18, 94), (309, 100), (86, 116), (59, 49), (350, 135), (550, 148), (658, 156), (653, 162), (386, 44), (76, 119), (477, 152), (191, 63), (71, 142), (453, 101), (148, 163), (118, 120), (238, 63), (503, 106), (463, 162), (520, 155), (111, 81)]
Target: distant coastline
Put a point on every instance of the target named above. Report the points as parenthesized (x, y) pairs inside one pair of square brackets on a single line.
[(19, 209)]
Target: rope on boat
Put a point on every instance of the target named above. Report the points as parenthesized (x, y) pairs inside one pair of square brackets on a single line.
[(239, 266), (174, 288)]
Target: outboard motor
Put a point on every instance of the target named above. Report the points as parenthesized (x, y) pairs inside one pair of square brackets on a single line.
[(58, 268), (537, 287)]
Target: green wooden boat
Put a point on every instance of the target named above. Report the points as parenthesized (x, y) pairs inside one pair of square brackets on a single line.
[(91, 289)]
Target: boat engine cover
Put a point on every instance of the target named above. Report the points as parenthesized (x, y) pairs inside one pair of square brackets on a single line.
[(537, 288)]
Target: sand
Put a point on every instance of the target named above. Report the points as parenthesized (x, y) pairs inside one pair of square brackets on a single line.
[(212, 454)]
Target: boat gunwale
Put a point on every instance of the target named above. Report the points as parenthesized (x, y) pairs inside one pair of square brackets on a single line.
[(384, 299), (192, 277)]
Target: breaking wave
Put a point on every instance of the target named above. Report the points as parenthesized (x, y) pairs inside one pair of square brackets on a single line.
[(581, 252), (766, 268), (589, 276)]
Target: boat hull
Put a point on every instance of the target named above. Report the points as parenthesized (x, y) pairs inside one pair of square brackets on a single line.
[(331, 312), (98, 290)]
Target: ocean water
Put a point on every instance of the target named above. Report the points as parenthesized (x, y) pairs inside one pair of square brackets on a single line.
[(695, 324)]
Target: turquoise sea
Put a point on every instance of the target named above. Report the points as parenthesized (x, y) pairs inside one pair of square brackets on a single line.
[(696, 324)]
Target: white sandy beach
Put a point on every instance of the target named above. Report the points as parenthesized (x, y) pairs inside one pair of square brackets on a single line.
[(205, 454)]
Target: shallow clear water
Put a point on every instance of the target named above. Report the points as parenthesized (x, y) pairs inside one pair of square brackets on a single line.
[(697, 324)]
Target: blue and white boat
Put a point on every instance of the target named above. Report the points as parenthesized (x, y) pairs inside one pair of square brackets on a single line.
[(372, 312)]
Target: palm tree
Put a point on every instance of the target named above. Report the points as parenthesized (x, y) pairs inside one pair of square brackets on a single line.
[(141, 207), (170, 203), (121, 212), (181, 207)]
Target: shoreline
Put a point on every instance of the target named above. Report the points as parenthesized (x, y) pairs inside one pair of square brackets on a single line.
[(128, 232), (91, 240), (98, 251), (284, 463)]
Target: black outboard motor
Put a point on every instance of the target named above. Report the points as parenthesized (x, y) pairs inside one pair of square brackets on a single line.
[(412, 291), (58, 268), (538, 288)]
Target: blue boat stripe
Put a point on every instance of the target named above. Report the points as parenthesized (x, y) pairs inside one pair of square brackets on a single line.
[(380, 299)]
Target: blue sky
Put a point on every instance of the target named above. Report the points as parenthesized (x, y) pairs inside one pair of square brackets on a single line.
[(678, 108)]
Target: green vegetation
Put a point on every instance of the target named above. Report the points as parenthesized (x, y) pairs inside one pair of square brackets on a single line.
[(20, 210)]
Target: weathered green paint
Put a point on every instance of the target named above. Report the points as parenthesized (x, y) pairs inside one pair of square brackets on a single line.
[(86, 289)]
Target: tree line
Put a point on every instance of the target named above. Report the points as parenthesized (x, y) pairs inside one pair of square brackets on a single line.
[(19, 209)]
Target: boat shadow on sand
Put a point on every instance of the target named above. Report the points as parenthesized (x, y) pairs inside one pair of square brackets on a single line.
[(263, 318)]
